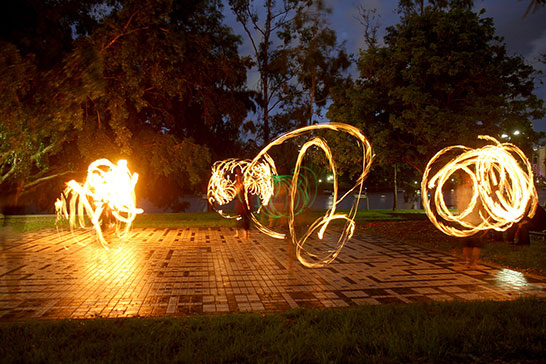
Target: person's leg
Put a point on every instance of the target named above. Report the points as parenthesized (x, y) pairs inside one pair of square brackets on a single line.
[(246, 226), (510, 234), (467, 252), (523, 235), (475, 256)]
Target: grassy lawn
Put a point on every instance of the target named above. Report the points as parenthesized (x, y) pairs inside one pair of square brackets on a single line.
[(389, 215), (486, 332), (25, 223), (446, 332), (182, 220)]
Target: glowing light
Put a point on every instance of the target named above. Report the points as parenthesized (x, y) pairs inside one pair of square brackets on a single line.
[(108, 189), (511, 278), (258, 179), (517, 132), (222, 187), (502, 193)]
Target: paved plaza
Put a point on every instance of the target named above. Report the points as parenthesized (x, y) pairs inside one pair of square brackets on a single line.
[(162, 271)]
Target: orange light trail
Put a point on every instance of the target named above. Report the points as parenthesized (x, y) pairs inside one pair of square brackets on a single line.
[(503, 192), (107, 186), (258, 180)]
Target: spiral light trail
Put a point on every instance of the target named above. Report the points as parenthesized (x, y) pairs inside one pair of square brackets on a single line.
[(502, 192), (107, 187), (258, 180)]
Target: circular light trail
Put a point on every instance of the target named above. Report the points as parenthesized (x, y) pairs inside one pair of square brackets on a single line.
[(258, 179), (502, 192)]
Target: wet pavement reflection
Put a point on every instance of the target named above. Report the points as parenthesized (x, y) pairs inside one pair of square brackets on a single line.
[(160, 271)]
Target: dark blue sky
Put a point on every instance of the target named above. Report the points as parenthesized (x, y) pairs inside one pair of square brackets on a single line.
[(523, 36)]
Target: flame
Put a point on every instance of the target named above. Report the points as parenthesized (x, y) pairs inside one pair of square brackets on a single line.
[(107, 188), (502, 193), (258, 180)]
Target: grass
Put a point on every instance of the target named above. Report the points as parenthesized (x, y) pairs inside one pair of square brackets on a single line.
[(24, 223), (389, 215), (529, 259), (499, 332), (182, 220)]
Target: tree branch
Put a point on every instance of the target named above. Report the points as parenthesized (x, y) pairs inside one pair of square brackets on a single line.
[(123, 33), (9, 173), (13, 168), (46, 178), (245, 27), (256, 26)]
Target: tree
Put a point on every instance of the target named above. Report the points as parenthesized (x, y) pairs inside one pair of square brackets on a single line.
[(175, 88), (38, 106), (155, 82), (535, 5), (261, 28), (442, 78), (316, 59)]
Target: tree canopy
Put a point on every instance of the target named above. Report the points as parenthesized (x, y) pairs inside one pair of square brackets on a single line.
[(162, 84), (316, 61), (155, 82), (442, 78), (297, 57)]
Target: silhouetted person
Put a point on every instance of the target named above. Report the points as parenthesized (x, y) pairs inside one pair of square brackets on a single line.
[(279, 203), (108, 220), (243, 223), (536, 223), (472, 244)]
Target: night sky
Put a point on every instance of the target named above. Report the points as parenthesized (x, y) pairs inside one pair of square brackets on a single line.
[(523, 36)]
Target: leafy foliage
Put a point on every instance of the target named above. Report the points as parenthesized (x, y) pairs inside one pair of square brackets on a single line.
[(316, 61), (441, 79), (40, 104), (264, 28), (157, 82)]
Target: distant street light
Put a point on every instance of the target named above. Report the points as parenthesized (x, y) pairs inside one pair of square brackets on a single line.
[(504, 136), (517, 132)]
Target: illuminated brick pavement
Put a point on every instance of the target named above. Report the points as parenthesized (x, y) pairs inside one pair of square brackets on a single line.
[(186, 271)]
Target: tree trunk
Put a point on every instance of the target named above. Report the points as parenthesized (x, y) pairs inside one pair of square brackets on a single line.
[(265, 71), (312, 101), (395, 199), (266, 110)]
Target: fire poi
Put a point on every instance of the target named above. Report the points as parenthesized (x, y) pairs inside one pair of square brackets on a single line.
[(257, 179), (107, 193), (501, 188)]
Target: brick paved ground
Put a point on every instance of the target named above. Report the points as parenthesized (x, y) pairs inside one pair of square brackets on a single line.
[(159, 272)]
